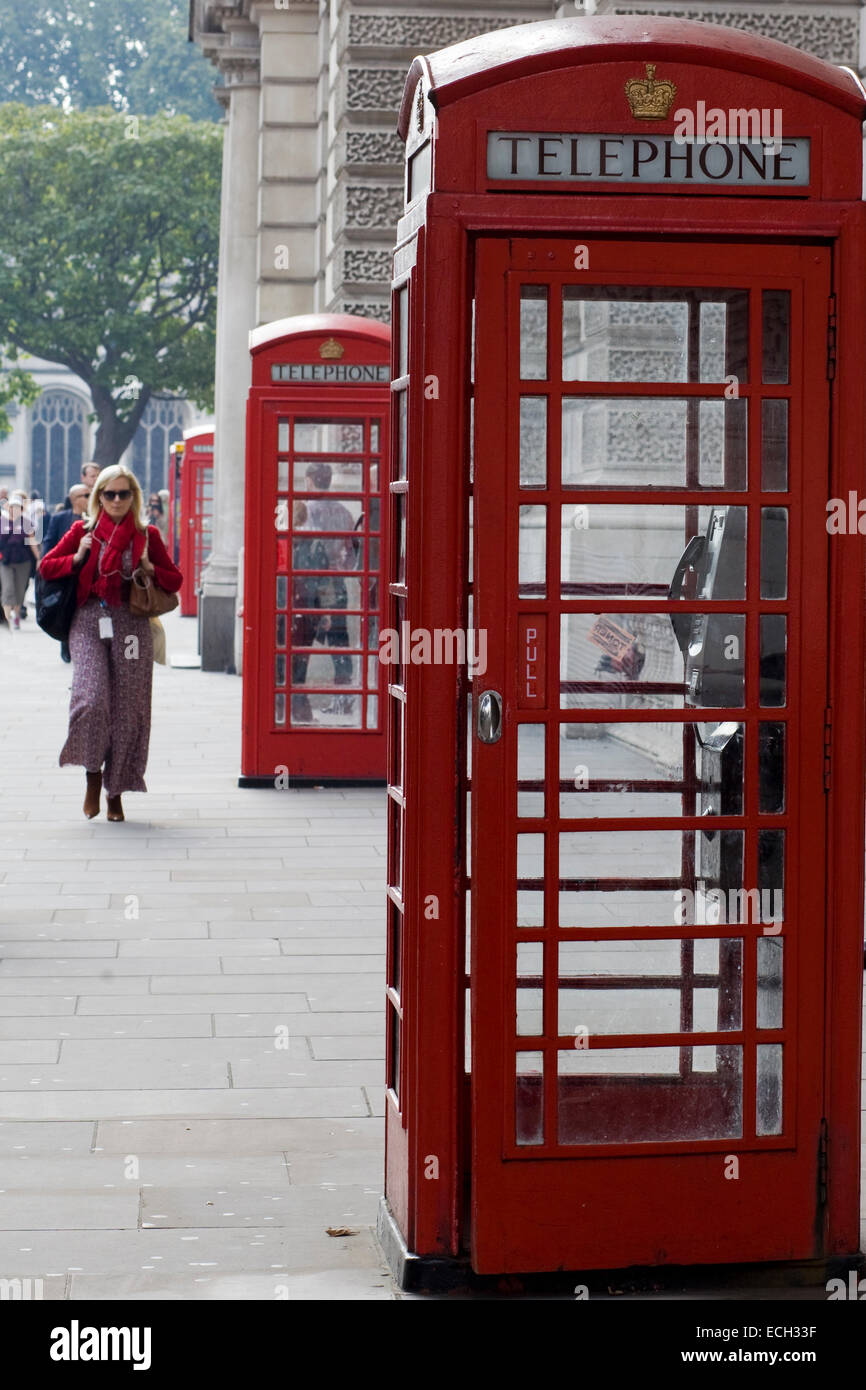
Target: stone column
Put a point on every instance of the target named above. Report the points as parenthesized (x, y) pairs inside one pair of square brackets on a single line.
[(236, 315)]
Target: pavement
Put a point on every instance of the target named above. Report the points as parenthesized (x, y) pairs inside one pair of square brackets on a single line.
[(191, 1011)]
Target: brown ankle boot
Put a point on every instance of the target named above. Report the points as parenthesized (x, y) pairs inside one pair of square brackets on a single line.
[(115, 808), (94, 789)]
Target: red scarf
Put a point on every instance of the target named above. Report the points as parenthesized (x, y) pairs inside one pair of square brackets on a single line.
[(119, 548)]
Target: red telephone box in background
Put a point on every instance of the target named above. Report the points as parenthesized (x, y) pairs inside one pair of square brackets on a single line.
[(626, 850), (317, 433), (192, 511)]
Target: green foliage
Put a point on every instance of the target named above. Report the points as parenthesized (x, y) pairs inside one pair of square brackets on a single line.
[(16, 386), (132, 55), (108, 254)]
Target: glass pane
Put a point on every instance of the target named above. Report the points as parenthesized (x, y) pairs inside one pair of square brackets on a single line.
[(329, 436), (279, 670), (280, 633), (402, 433), (625, 1095), (532, 567), (770, 958), (399, 503), (529, 1098), (636, 661), (776, 314), (530, 989), (282, 591), (530, 770), (645, 442), (653, 552), (279, 709), (530, 908), (395, 844), (771, 768), (314, 475), (774, 446), (625, 333), (374, 438), (283, 436), (652, 878), (372, 711), (533, 332), (533, 441), (774, 552), (530, 861), (283, 475), (771, 875), (768, 1117), (329, 513), (631, 769), (773, 659), (646, 987), (403, 330)]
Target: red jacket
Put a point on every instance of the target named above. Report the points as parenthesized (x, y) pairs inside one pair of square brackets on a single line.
[(59, 562)]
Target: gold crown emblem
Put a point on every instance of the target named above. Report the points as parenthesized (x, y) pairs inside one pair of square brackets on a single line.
[(650, 100), (331, 349)]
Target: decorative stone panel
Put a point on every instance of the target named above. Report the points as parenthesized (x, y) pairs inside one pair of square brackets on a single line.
[(835, 38), (373, 147), (367, 266), (424, 33), (375, 89), (379, 311), (373, 205)]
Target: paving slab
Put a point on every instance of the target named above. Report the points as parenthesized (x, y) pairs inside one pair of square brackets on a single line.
[(246, 1138)]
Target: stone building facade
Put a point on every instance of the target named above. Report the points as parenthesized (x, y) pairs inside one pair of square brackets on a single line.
[(313, 178)]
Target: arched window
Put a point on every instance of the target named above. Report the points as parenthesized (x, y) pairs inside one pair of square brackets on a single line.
[(58, 437), (162, 424)]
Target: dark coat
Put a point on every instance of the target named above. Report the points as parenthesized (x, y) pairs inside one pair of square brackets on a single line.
[(57, 528)]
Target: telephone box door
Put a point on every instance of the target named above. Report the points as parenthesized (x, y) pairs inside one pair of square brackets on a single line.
[(648, 810)]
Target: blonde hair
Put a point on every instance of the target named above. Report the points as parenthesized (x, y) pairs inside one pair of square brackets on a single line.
[(108, 475)]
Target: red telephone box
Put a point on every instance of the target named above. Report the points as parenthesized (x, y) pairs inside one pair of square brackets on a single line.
[(626, 849), (317, 432), (191, 505)]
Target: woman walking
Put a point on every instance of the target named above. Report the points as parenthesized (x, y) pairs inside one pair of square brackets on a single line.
[(111, 647), (18, 552)]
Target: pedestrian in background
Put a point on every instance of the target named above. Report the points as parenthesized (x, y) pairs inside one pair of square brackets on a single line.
[(109, 709), (157, 516), (59, 525), (18, 551)]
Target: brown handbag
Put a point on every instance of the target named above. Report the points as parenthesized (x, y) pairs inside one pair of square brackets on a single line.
[(146, 598)]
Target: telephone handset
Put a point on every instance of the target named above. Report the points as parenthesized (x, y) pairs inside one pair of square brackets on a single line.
[(712, 654)]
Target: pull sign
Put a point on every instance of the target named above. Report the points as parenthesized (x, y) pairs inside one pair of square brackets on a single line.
[(531, 662)]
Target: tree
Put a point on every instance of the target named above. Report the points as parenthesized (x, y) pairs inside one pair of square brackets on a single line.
[(109, 240), (133, 55)]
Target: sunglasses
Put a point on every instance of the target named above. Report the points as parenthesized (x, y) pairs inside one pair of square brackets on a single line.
[(120, 496)]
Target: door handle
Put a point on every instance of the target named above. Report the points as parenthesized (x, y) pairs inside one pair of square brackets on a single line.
[(489, 722)]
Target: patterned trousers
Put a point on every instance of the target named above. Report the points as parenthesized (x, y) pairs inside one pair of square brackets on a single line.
[(109, 708)]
